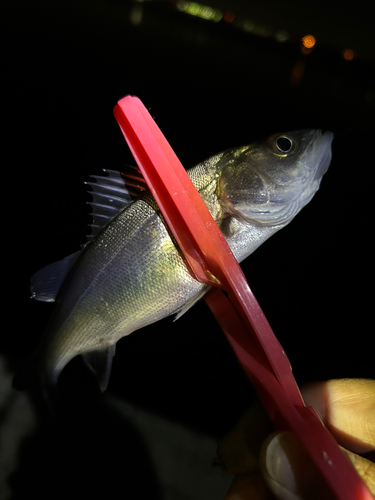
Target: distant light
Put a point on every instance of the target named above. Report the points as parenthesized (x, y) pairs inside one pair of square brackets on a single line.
[(192, 8), (136, 14), (181, 5), (282, 36), (348, 54), (308, 41), (217, 15), (198, 10), (206, 12), (229, 17), (248, 26)]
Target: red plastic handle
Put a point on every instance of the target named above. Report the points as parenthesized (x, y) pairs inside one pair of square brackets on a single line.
[(196, 232), (241, 317)]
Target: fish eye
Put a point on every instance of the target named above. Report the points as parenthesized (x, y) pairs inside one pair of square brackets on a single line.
[(284, 144)]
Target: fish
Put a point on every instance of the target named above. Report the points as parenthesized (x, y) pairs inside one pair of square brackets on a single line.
[(131, 273)]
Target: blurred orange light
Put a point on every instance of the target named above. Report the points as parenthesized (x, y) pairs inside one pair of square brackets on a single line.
[(308, 41), (348, 54)]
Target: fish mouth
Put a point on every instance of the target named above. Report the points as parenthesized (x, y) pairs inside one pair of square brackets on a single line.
[(319, 155), (322, 147), (316, 159)]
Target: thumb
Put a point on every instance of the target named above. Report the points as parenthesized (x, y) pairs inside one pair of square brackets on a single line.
[(288, 470)]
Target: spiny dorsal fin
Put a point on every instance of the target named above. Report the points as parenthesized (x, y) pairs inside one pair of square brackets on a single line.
[(111, 193)]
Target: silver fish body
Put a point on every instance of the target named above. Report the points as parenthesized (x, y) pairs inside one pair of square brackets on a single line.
[(132, 274)]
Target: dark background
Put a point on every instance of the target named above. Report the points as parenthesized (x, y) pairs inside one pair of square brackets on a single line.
[(209, 86)]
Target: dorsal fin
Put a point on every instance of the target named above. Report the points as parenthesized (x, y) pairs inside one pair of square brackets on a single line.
[(111, 193)]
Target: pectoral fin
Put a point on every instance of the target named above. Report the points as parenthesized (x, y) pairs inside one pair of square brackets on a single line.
[(100, 362), (190, 303)]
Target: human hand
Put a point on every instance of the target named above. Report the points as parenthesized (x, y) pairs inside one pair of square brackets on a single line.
[(277, 466)]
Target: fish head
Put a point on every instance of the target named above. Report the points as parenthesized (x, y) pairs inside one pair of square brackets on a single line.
[(268, 183)]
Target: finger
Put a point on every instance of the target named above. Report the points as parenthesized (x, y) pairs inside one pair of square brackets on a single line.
[(248, 487), (347, 407), (239, 450), (364, 467), (288, 470)]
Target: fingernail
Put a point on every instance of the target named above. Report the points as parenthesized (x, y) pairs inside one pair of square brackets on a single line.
[(283, 466), (278, 456)]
